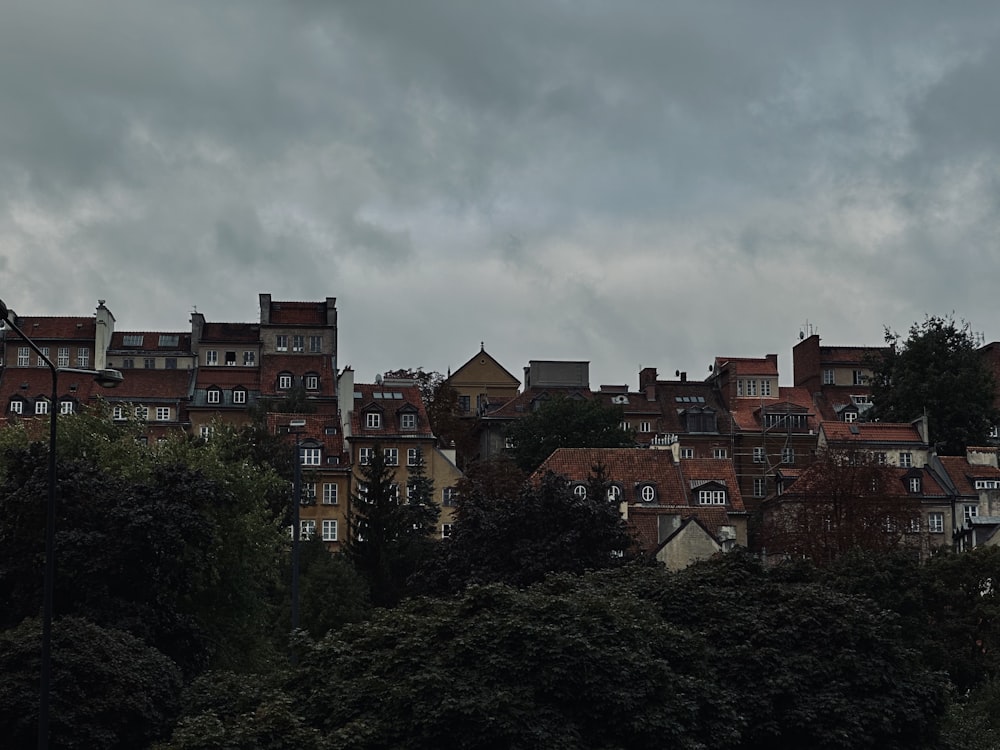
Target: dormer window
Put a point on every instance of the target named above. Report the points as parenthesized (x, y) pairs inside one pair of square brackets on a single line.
[(312, 381), (987, 484), (711, 497), (311, 455), (580, 490), (66, 407), (239, 395), (41, 406), (914, 484), (373, 420), (408, 421), (284, 381), (16, 406), (647, 493), (614, 493), (214, 395), (700, 419)]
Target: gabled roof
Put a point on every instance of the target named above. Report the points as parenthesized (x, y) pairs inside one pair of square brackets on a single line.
[(747, 365), (521, 404), (747, 411), (963, 474), (483, 357), (229, 377), (30, 382), (321, 428), (391, 401)]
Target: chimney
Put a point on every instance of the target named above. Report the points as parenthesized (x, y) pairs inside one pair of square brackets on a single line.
[(265, 309), (647, 376), (102, 335), (684, 376)]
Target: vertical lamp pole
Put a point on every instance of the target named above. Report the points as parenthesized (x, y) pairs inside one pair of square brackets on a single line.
[(295, 428), (107, 379)]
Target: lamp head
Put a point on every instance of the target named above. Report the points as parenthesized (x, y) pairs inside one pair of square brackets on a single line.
[(108, 378)]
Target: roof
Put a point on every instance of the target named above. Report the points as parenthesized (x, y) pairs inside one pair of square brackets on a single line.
[(298, 365), (47, 328), (152, 384), (322, 428), (521, 404), (481, 355), (391, 402), (748, 365), (298, 313), (229, 377), (170, 341), (747, 411), (244, 333), (872, 432), (32, 382), (847, 355), (963, 474)]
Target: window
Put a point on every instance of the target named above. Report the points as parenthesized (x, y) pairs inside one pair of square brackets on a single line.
[(758, 455), (162, 413), (644, 427), (298, 343), (168, 339), (315, 344), (312, 382), (720, 453), (83, 356), (365, 456), (329, 493), (788, 455), (62, 356), (970, 511), (739, 388), (132, 339), (647, 493), (249, 359), (41, 359), (580, 490), (284, 381), (935, 523), (700, 420), (914, 525), (828, 378), (149, 363), (211, 357), (906, 460), (307, 529), (711, 497), (508, 442), (751, 387), (445, 530), (281, 343), (205, 431), (408, 421), (41, 406), (308, 493), (995, 432), (373, 420), (170, 363), (858, 377), (850, 416), (392, 456), (23, 356), (448, 496), (311, 456), (239, 396), (765, 388), (625, 426), (214, 396), (118, 412), (329, 529), (128, 363), (412, 456), (881, 458), (786, 421), (759, 487), (66, 407), (464, 405), (142, 412), (987, 484), (16, 406), (230, 359), (687, 452), (614, 494), (861, 399), (914, 484)]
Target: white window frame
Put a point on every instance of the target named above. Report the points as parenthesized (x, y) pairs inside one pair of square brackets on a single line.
[(711, 497), (759, 486), (647, 493), (249, 358), (765, 388), (645, 427), (391, 456), (214, 396), (720, 453), (914, 484), (373, 420), (205, 431), (284, 381), (758, 455), (239, 396), (858, 377), (365, 456), (788, 455), (312, 382), (298, 343), (118, 412), (330, 493), (330, 529), (66, 407), (62, 356), (281, 343), (850, 416), (142, 412), (24, 356), (41, 407), (211, 357), (687, 452), (316, 344), (408, 421), (935, 523), (970, 511), (905, 459), (412, 456), (162, 413), (307, 528), (16, 406), (445, 530), (751, 387), (308, 494), (41, 361), (311, 456), (580, 491), (614, 493), (83, 356), (829, 377)]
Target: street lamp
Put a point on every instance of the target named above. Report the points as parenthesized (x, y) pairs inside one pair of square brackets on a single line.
[(106, 379), (295, 428)]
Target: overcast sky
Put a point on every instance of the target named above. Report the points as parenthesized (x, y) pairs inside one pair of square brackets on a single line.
[(630, 183)]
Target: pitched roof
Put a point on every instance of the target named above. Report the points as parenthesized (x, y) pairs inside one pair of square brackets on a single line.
[(963, 474), (847, 355), (298, 313), (152, 384), (229, 377), (521, 404), (391, 402), (748, 365), (32, 382), (871, 432), (171, 341), (481, 355), (243, 333), (747, 411), (298, 365), (47, 328), (322, 428)]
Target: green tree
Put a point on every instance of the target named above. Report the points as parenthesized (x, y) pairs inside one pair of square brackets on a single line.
[(517, 533), (109, 689), (332, 593), (563, 422), (937, 370), (388, 535)]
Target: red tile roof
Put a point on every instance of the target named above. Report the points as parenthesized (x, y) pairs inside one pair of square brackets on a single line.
[(151, 341), (383, 398), (244, 333), (228, 377), (747, 365), (298, 365), (298, 313), (747, 411), (44, 328), (963, 474), (152, 384), (847, 355), (521, 404), (316, 428), (871, 432)]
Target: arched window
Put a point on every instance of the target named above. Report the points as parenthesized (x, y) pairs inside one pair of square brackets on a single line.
[(580, 490), (614, 493), (647, 493)]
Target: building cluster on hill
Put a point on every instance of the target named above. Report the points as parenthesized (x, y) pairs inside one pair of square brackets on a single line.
[(713, 456)]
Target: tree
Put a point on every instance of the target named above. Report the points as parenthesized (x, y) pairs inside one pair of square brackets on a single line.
[(842, 501), (109, 689), (387, 536), (518, 532), (937, 370), (563, 422)]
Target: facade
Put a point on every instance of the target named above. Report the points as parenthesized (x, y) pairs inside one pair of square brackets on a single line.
[(837, 377), (482, 381), (680, 510)]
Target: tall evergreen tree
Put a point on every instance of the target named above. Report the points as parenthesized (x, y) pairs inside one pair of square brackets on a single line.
[(388, 534)]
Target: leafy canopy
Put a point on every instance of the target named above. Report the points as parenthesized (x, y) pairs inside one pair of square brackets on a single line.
[(562, 422), (938, 370)]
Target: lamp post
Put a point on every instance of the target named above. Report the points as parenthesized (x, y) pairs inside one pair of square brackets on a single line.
[(106, 379), (295, 428)]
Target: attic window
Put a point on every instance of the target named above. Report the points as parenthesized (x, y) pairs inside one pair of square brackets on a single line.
[(621, 399), (647, 493), (132, 339), (987, 484), (373, 420), (168, 340), (711, 497)]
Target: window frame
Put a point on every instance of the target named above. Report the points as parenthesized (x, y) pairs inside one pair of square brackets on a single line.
[(407, 421), (331, 494), (41, 407), (211, 357), (373, 420), (330, 530), (935, 522), (213, 396), (310, 455), (412, 456), (391, 456), (162, 413)]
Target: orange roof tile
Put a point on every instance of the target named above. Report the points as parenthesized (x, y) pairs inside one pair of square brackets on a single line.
[(871, 432)]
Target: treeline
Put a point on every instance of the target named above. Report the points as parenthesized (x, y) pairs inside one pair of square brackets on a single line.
[(529, 628)]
